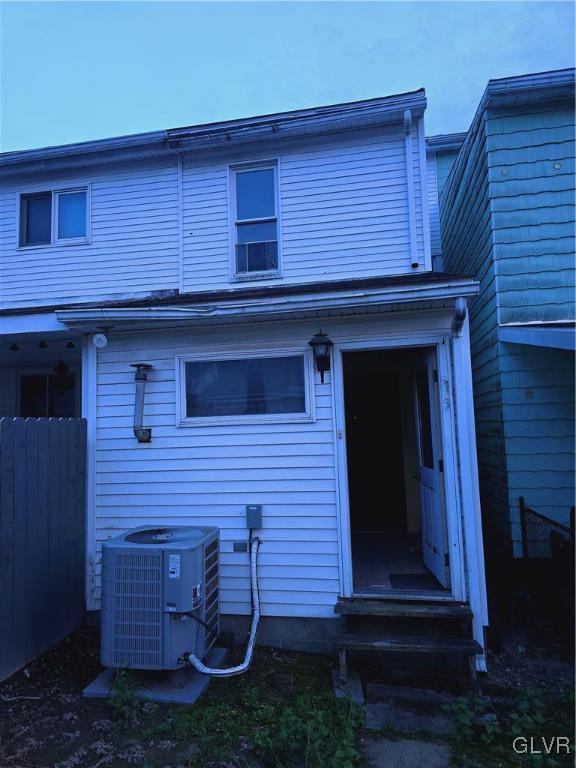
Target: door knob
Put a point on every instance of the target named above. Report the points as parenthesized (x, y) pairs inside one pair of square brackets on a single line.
[(416, 475)]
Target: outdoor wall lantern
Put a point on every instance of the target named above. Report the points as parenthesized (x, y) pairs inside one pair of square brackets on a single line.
[(321, 346), (141, 433)]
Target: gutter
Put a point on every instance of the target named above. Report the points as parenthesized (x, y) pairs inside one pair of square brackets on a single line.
[(445, 142)]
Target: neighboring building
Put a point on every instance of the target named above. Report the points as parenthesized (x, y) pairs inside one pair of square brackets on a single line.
[(215, 254), (507, 213), (441, 152)]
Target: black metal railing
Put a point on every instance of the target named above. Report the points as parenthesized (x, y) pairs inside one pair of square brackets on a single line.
[(543, 538)]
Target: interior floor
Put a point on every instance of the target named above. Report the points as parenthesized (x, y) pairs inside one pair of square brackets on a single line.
[(389, 561)]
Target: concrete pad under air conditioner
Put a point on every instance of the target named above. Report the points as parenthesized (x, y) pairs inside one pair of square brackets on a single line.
[(176, 686)]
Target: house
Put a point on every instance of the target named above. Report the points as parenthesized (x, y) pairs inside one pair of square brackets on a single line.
[(269, 282), (507, 217)]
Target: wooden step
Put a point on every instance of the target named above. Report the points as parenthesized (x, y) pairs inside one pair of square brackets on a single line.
[(396, 644), (355, 606)]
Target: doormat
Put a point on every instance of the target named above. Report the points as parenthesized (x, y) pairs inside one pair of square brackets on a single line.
[(413, 581)]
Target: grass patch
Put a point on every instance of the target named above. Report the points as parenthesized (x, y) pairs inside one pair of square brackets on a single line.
[(281, 713)]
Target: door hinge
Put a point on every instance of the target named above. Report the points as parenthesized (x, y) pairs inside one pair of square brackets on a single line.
[(446, 560), (435, 375), (440, 466)]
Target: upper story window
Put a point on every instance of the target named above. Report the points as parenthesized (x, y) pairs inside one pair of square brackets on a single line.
[(59, 216), (255, 219)]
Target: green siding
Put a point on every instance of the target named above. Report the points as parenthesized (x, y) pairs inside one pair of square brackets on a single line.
[(538, 397), (521, 248), (467, 249), (444, 163), (531, 170)]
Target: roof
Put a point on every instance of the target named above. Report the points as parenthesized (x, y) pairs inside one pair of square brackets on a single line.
[(524, 89), (559, 334), (297, 123), (445, 142), (512, 91)]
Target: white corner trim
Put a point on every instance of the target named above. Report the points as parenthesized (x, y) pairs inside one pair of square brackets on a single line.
[(470, 485), (180, 198), (410, 188), (423, 169)]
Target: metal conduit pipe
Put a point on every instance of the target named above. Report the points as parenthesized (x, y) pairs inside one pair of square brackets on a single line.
[(240, 668), (142, 434)]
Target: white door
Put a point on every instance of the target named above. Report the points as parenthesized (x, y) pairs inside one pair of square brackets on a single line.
[(433, 540)]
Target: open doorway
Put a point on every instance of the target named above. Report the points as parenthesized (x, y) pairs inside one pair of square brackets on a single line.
[(394, 461)]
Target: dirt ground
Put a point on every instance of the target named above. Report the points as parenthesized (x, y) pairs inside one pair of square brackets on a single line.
[(45, 722)]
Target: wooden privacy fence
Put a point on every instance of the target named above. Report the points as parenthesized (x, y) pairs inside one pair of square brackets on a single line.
[(42, 531)]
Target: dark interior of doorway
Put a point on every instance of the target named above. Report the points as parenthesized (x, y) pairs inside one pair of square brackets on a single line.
[(381, 445)]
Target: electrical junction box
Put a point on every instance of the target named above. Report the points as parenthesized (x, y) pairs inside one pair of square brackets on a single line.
[(254, 516)]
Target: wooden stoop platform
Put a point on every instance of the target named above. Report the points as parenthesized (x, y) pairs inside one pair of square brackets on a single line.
[(447, 628)]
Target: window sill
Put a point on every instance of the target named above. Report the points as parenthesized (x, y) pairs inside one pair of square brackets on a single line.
[(269, 418), (246, 277), (57, 244)]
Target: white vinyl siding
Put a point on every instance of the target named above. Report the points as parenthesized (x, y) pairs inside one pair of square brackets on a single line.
[(134, 238), (342, 213), (207, 475), (343, 208)]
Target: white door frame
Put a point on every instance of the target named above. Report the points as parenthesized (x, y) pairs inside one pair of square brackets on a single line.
[(441, 343)]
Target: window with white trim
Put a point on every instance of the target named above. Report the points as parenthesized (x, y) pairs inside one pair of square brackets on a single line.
[(54, 217), (255, 205), (266, 387)]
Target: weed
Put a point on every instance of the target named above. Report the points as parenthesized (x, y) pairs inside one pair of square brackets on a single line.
[(320, 729), (122, 697), (484, 729)]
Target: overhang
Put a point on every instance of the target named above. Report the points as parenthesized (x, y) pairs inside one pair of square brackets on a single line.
[(308, 302), (558, 335)]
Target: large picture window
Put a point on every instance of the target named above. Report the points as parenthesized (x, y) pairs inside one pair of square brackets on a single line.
[(261, 388), (255, 220)]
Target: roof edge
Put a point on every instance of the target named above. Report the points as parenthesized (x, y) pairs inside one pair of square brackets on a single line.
[(446, 141), (345, 116)]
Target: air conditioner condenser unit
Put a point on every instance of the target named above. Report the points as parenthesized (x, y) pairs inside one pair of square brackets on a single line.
[(159, 596)]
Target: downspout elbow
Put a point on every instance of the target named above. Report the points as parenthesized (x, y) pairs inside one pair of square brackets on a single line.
[(460, 310)]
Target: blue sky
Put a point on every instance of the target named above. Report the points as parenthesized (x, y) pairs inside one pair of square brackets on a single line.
[(75, 71)]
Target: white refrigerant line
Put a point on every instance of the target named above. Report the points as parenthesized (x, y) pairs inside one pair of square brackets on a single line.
[(238, 670)]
